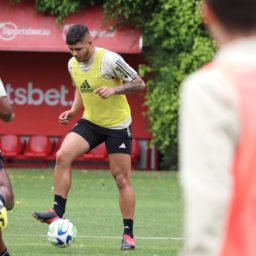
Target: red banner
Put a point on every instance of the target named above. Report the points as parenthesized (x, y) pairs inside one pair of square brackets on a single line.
[(23, 29)]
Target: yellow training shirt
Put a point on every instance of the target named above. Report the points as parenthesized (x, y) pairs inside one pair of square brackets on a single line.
[(103, 112)]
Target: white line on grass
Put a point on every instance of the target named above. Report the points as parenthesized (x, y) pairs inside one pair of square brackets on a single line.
[(139, 237), (109, 237)]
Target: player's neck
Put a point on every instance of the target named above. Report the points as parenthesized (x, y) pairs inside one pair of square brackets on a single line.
[(90, 55)]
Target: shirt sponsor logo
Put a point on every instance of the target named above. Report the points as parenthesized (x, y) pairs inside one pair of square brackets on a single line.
[(85, 87)]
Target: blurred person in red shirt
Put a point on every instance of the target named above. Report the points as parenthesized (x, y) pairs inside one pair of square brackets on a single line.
[(218, 137)]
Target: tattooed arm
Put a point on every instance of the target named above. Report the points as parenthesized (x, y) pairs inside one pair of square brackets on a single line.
[(136, 85)]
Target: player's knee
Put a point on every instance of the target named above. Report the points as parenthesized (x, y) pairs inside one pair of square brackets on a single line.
[(62, 157), (9, 201), (10, 206), (122, 180)]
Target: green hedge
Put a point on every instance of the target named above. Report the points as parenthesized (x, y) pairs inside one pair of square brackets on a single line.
[(175, 44)]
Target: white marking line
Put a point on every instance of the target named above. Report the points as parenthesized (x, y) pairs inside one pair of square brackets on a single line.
[(137, 238), (109, 237)]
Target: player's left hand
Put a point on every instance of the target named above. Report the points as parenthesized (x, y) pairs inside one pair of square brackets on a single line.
[(104, 91)]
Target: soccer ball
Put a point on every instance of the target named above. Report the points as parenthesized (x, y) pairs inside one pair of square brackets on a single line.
[(62, 233)]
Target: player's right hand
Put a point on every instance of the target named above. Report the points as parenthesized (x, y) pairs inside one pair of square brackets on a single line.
[(66, 116)]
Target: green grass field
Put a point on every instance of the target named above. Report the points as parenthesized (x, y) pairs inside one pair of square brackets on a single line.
[(93, 207)]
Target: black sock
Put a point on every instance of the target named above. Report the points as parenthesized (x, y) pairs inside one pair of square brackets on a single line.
[(5, 253), (2, 200), (59, 205), (128, 227)]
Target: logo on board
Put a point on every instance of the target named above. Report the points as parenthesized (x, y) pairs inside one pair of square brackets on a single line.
[(9, 30)]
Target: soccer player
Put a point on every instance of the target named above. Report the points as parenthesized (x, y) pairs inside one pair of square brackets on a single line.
[(6, 193), (218, 137), (101, 79)]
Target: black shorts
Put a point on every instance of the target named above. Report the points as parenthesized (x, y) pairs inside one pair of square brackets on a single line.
[(117, 141)]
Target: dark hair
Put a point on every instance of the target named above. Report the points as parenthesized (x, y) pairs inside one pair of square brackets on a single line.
[(235, 14), (76, 34)]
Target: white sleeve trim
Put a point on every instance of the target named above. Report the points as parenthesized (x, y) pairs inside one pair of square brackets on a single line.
[(70, 63), (113, 65)]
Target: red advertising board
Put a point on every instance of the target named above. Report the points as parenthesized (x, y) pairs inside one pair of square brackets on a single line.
[(24, 29)]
